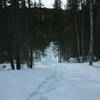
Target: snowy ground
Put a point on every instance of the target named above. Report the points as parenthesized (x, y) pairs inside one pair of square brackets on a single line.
[(61, 82), (51, 81)]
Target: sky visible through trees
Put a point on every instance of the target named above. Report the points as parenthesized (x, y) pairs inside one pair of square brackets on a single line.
[(49, 3)]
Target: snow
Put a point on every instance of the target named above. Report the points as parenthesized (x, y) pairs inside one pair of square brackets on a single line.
[(49, 59), (50, 80), (59, 82)]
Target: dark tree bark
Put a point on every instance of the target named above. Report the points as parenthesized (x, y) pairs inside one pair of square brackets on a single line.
[(91, 34), (29, 4), (78, 38), (82, 31), (31, 58), (18, 63), (12, 63)]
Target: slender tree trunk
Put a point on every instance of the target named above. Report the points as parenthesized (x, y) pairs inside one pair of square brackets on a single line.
[(18, 63), (17, 40), (78, 40), (12, 63), (91, 34), (82, 31), (22, 63), (23, 3), (31, 58), (59, 55), (29, 4)]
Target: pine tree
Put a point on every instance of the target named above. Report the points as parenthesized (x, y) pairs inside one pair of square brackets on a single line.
[(73, 5), (40, 5), (82, 2), (57, 4), (35, 4), (0, 3), (23, 3)]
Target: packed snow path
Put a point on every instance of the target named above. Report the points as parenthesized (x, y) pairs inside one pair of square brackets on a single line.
[(56, 82), (44, 87)]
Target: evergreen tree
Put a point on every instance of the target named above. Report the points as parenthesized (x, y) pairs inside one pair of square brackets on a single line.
[(35, 4), (40, 5), (57, 4), (0, 3), (73, 5), (23, 5)]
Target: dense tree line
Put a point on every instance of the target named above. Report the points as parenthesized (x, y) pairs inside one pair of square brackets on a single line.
[(27, 28)]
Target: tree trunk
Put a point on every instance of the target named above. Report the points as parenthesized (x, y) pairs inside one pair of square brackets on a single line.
[(59, 54), (29, 4), (82, 31), (12, 63), (91, 35), (18, 64), (31, 58), (77, 37)]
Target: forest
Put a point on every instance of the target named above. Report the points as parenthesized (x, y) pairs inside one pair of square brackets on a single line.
[(27, 28)]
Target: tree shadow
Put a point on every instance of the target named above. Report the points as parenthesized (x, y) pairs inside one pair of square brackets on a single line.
[(96, 66)]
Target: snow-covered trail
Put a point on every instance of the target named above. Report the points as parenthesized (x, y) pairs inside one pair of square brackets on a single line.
[(69, 83), (47, 85), (44, 87), (56, 82)]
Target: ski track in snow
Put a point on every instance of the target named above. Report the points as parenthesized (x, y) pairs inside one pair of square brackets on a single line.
[(48, 84), (45, 86)]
